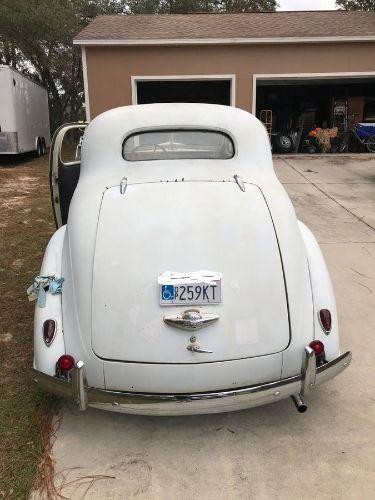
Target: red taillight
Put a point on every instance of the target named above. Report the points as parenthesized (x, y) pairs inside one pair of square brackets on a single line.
[(317, 347), (49, 330), (325, 319), (65, 363)]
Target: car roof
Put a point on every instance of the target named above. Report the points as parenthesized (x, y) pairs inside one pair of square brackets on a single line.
[(105, 135)]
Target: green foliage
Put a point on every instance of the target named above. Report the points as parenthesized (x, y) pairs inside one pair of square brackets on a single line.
[(168, 6), (356, 4), (186, 6), (246, 5), (36, 38)]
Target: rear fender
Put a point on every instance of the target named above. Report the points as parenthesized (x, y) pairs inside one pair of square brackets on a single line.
[(45, 357), (322, 292)]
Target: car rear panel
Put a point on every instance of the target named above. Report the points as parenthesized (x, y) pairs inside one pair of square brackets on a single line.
[(190, 378)]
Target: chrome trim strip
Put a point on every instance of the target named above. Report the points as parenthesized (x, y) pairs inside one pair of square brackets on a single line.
[(253, 395)]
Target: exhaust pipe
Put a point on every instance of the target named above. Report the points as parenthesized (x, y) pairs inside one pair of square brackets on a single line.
[(299, 403)]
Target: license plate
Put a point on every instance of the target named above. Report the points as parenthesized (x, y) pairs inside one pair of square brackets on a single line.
[(190, 292)]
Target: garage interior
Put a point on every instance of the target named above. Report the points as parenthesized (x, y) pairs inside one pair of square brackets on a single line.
[(294, 110), (203, 91)]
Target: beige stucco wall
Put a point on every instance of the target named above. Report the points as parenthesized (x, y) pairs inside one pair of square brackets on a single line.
[(110, 69)]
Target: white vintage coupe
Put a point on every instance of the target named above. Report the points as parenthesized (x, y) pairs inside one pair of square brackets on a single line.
[(189, 284)]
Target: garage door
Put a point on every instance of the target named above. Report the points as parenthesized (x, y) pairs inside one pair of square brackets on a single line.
[(204, 91)]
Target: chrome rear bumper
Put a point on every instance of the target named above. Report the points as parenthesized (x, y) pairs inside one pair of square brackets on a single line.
[(185, 404)]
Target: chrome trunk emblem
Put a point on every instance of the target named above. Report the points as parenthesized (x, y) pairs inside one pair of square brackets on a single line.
[(192, 319)]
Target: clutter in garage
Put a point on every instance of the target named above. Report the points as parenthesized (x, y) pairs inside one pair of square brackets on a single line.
[(318, 117)]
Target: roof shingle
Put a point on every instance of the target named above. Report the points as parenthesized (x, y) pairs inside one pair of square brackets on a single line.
[(254, 25)]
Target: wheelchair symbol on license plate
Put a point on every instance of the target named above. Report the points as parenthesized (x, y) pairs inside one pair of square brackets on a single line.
[(167, 292)]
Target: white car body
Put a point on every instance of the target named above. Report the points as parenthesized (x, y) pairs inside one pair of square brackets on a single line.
[(131, 221), (24, 115)]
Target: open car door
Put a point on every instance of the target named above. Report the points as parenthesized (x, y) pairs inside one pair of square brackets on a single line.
[(64, 168)]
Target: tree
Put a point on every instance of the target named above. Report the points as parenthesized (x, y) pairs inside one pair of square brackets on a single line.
[(168, 6), (186, 6), (246, 5), (36, 38), (356, 4)]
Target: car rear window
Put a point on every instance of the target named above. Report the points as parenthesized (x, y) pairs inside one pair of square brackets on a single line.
[(178, 144)]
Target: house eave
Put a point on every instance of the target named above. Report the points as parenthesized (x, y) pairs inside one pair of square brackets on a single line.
[(226, 41)]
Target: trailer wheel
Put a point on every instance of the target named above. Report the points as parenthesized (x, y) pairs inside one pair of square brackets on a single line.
[(39, 148), (44, 147)]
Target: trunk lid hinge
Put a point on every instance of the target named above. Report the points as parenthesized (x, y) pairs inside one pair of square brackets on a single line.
[(240, 182), (123, 185)]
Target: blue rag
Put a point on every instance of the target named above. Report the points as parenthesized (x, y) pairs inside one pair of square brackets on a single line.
[(42, 284)]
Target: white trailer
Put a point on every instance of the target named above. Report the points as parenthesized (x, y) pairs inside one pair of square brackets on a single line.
[(24, 117)]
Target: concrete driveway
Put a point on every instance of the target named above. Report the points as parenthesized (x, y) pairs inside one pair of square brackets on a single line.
[(268, 452)]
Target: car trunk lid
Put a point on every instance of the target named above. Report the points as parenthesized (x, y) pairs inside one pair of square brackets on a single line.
[(186, 227)]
